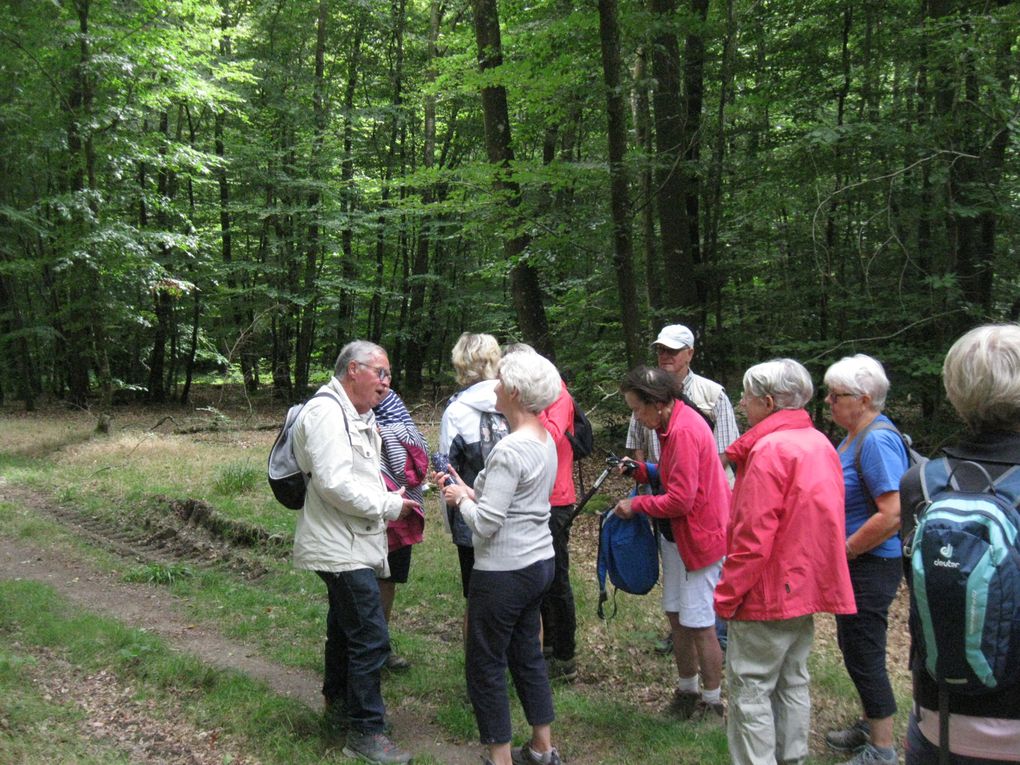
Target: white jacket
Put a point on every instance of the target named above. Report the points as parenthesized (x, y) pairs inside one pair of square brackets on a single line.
[(342, 526)]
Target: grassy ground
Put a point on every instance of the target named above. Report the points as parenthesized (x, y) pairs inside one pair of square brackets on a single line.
[(131, 479)]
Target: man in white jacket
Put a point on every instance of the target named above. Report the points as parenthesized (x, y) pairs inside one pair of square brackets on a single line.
[(341, 535)]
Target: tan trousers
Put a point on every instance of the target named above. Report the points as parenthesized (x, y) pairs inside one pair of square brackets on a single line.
[(769, 691)]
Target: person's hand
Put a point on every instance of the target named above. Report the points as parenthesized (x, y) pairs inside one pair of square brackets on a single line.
[(622, 509), (626, 466), (454, 494), (409, 506)]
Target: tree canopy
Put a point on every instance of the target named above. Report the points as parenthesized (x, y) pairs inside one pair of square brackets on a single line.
[(190, 185)]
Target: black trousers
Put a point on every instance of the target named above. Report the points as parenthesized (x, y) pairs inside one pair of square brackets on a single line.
[(862, 636), (559, 617)]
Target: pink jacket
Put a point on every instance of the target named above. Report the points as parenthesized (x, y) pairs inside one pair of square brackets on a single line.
[(697, 495), (786, 553), (558, 418)]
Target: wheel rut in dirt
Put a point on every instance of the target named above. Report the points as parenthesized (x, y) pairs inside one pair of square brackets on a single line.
[(158, 612)]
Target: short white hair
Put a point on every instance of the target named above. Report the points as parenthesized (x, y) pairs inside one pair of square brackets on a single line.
[(786, 380), (533, 377), (982, 377), (360, 351), (860, 375)]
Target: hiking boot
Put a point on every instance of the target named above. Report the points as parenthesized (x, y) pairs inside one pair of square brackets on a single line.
[(705, 711), (525, 756), (375, 748), (665, 645), (564, 670), (395, 663), (869, 755), (851, 739), (683, 704)]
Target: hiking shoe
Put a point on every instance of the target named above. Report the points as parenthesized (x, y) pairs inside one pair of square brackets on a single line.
[(665, 645), (683, 704), (869, 755), (851, 739), (395, 663), (526, 756), (375, 748), (564, 670), (705, 711)]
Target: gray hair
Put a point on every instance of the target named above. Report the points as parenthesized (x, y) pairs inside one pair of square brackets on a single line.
[(786, 380), (982, 377), (475, 357), (862, 376), (360, 351), (533, 377)]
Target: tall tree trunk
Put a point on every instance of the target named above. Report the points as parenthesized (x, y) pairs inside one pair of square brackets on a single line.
[(644, 138), (678, 262), (417, 340), (525, 288), (616, 119), (345, 309), (306, 331), (694, 76)]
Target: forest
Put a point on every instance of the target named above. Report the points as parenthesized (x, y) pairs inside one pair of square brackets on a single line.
[(238, 187)]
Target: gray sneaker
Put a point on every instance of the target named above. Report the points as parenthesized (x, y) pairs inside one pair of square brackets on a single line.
[(869, 755), (375, 748), (524, 756), (682, 705), (851, 739)]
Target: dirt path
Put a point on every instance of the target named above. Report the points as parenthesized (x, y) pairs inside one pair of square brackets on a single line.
[(156, 611)]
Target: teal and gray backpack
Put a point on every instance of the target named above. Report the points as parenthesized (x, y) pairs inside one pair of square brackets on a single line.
[(965, 580)]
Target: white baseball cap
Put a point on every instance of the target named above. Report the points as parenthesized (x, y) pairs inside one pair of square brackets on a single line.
[(675, 336)]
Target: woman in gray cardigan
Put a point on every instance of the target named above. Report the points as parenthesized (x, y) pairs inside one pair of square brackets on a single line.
[(508, 514)]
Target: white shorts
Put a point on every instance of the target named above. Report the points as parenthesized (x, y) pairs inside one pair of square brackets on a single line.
[(689, 594)]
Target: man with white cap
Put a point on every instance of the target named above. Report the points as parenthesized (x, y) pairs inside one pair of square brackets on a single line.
[(674, 349)]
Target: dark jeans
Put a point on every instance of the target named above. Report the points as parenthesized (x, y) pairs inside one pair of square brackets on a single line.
[(559, 619), (921, 751), (357, 644), (503, 627), (862, 636)]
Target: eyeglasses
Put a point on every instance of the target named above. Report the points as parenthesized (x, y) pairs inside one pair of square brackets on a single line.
[(384, 374), (661, 350), (832, 398)]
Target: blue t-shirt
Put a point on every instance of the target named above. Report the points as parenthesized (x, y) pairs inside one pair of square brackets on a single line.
[(883, 462)]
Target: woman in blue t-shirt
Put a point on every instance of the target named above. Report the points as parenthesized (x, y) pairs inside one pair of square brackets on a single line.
[(874, 458)]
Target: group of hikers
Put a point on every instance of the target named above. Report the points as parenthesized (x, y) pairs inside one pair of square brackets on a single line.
[(757, 532)]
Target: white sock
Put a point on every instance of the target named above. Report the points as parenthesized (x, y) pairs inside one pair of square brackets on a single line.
[(712, 697), (688, 684)]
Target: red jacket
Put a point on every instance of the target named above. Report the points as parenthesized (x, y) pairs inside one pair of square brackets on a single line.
[(558, 418), (786, 554), (696, 494)]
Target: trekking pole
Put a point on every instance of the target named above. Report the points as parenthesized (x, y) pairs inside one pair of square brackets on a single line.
[(611, 462)]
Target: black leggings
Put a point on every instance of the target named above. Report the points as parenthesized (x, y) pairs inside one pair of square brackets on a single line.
[(862, 636)]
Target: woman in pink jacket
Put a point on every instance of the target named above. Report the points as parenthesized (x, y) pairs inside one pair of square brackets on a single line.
[(689, 511), (785, 561)]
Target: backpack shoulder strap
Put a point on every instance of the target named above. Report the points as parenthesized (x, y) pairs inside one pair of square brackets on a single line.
[(332, 397), (861, 437), (934, 478), (1008, 484)]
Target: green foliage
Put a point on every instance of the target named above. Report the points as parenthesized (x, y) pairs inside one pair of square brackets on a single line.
[(239, 478), (159, 573)]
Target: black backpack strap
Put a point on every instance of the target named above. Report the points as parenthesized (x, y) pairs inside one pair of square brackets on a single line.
[(943, 723), (873, 425)]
